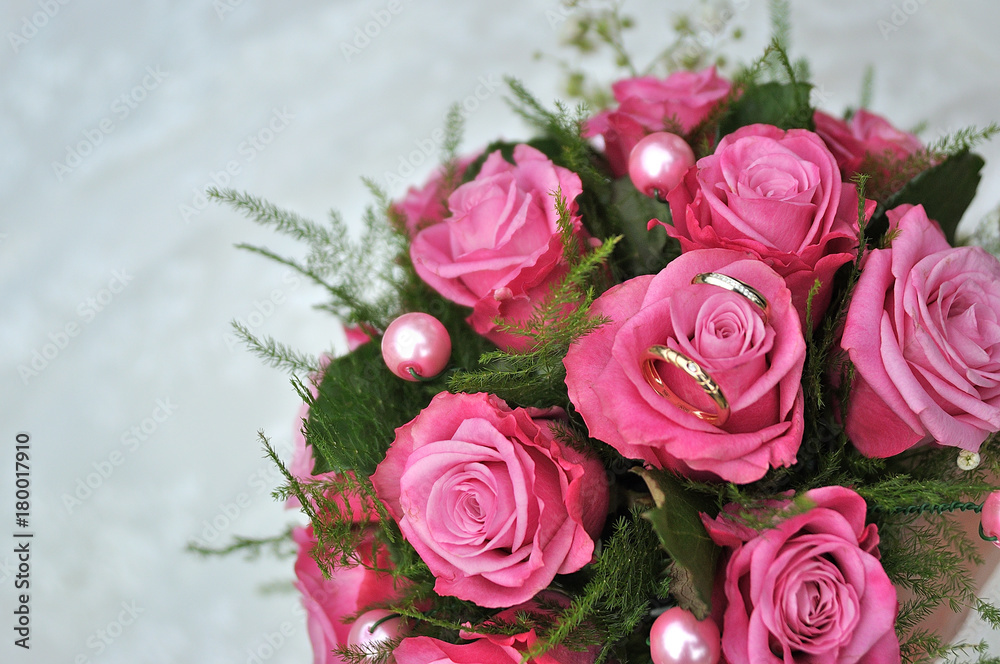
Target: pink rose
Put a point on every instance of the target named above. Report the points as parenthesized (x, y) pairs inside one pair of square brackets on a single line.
[(427, 205), (647, 104), (778, 195), (865, 136), (500, 250), (756, 363), (491, 499), (427, 650), (329, 601), (525, 641), (923, 332), (809, 589), (489, 648)]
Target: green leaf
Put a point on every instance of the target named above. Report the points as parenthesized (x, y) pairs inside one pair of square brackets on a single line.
[(352, 422), (641, 251), (675, 520), (784, 105), (945, 191)]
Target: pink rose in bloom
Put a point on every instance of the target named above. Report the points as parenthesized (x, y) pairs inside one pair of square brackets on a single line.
[(865, 135), (329, 601), (778, 195), (757, 364), (490, 499), (525, 641), (427, 650), (810, 589), (489, 648), (427, 205), (923, 332), (677, 103), (500, 249)]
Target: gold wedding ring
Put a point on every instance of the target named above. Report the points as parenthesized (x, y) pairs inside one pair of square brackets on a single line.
[(656, 354), (736, 286)]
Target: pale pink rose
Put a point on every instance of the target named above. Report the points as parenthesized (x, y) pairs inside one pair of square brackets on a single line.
[(648, 104), (348, 591), (428, 205), (491, 500), (757, 364), (809, 589), (865, 136), (923, 332), (500, 250), (778, 195)]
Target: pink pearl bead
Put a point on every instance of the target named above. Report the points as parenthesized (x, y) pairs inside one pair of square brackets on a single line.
[(416, 341), (990, 516), (677, 637), (364, 631), (658, 162)]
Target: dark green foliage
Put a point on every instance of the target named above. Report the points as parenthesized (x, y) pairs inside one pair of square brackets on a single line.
[(641, 250), (945, 191), (784, 105), (927, 176), (781, 100), (360, 404), (625, 578), (682, 535)]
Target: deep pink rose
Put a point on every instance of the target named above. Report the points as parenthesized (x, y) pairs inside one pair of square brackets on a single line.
[(329, 601), (490, 648), (864, 136), (923, 332), (648, 104), (757, 364), (525, 641), (500, 250), (428, 205), (492, 500), (778, 195), (809, 589), (427, 650)]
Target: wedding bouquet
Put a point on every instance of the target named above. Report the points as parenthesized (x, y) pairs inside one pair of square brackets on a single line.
[(702, 375)]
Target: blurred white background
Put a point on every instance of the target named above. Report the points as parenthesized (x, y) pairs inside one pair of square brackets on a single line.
[(117, 284)]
